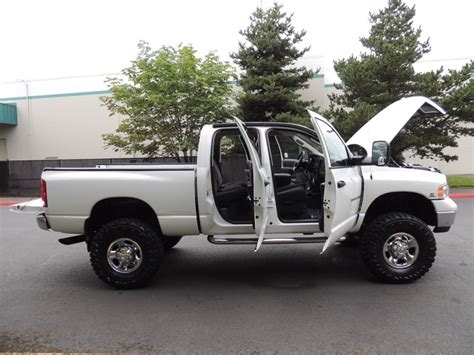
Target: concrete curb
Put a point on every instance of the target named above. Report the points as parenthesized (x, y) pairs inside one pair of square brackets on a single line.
[(468, 195), (8, 203)]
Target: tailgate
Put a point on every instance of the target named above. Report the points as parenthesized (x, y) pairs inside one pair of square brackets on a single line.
[(32, 206)]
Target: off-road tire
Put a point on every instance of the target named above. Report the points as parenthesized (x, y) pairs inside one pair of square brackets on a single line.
[(382, 228), (170, 242), (142, 233)]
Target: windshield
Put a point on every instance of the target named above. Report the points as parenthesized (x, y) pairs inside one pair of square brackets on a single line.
[(291, 143)]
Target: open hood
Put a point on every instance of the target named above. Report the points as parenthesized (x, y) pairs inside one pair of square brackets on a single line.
[(385, 125)]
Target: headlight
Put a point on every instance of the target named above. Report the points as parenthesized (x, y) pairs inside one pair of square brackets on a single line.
[(443, 191)]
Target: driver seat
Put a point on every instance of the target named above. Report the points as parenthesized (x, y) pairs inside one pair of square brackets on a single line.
[(290, 199)]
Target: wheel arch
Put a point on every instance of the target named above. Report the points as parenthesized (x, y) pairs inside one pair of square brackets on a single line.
[(112, 208), (408, 202)]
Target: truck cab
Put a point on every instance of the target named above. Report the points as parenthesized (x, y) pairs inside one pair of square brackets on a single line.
[(274, 178)]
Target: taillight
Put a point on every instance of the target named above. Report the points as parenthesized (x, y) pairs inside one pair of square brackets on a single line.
[(44, 195)]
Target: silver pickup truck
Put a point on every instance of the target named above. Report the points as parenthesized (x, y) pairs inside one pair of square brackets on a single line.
[(257, 179)]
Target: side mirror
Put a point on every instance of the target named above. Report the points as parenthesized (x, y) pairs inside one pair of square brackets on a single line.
[(380, 153), (358, 153)]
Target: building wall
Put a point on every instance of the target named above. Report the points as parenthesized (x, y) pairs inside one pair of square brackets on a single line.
[(65, 127), (463, 166), (315, 92)]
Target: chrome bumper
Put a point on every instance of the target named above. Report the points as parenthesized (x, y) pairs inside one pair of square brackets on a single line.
[(446, 214), (42, 221)]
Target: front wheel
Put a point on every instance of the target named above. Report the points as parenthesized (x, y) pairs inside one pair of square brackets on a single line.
[(126, 253), (398, 247)]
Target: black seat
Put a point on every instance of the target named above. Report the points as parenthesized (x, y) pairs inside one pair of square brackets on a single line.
[(290, 197), (227, 193), (290, 194)]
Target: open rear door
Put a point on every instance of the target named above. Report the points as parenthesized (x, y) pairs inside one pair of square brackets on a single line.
[(261, 186), (343, 183)]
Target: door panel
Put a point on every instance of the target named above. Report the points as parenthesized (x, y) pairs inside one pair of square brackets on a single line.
[(262, 185), (343, 183), (341, 203)]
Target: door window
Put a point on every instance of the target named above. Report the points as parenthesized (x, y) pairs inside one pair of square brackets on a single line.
[(338, 154)]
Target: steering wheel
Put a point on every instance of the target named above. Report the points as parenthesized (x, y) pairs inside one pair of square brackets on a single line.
[(300, 160)]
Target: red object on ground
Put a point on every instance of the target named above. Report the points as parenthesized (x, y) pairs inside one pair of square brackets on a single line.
[(8, 203), (470, 195)]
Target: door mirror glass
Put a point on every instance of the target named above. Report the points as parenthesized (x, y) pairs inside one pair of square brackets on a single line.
[(380, 153)]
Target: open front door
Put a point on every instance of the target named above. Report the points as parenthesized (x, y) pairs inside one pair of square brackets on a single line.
[(342, 186), (261, 186)]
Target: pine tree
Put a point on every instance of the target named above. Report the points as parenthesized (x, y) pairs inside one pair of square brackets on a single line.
[(270, 80), (385, 72)]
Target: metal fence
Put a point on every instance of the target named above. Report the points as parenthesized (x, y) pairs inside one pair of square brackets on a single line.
[(22, 177)]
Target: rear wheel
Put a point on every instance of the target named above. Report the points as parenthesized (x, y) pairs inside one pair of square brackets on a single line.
[(398, 247), (126, 253)]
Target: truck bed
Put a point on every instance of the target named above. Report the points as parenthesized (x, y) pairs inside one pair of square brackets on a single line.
[(168, 189)]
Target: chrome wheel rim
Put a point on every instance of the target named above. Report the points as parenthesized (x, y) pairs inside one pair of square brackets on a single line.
[(124, 255), (400, 250)]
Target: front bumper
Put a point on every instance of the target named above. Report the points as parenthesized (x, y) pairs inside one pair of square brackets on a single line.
[(445, 214), (42, 221)]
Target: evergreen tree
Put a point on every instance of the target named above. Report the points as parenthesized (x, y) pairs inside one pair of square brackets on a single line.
[(384, 73), (270, 80)]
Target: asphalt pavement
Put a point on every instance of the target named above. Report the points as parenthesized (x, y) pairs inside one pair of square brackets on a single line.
[(227, 299)]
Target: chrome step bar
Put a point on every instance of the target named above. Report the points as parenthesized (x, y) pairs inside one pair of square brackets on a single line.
[(292, 240)]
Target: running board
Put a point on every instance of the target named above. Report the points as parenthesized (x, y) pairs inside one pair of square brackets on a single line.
[(292, 240), (73, 240)]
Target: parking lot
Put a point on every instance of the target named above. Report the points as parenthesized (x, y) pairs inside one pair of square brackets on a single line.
[(223, 299)]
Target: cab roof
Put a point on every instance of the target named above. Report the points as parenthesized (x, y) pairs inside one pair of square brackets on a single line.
[(266, 124)]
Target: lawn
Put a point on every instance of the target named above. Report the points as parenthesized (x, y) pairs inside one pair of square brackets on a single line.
[(460, 181)]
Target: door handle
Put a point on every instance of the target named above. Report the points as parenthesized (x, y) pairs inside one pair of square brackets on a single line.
[(341, 183)]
